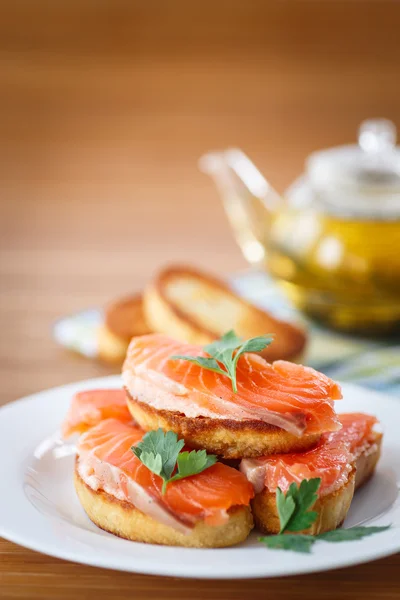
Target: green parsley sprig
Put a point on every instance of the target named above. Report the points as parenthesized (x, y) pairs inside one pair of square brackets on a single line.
[(225, 353), (161, 453), (295, 515)]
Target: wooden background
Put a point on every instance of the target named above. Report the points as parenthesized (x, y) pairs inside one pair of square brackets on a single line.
[(105, 108)]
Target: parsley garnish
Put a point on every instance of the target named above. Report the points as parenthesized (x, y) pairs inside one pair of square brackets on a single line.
[(161, 452), (289, 541), (294, 515), (225, 354), (293, 508)]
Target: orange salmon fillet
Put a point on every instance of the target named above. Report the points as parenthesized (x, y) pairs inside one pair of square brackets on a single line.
[(89, 408), (332, 458)]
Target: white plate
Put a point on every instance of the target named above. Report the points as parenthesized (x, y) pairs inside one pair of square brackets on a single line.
[(39, 509)]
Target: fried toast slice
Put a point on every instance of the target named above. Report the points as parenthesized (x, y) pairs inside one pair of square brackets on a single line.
[(198, 308), (229, 438)]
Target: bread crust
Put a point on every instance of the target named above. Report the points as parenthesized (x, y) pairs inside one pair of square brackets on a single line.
[(332, 509), (166, 315), (229, 438), (125, 317), (126, 521)]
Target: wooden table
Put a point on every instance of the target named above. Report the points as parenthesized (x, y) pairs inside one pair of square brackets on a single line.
[(105, 108)]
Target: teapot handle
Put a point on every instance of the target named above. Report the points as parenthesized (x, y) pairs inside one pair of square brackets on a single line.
[(249, 200)]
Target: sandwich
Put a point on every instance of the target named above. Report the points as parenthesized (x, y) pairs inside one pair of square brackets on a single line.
[(121, 495), (343, 460), (278, 407)]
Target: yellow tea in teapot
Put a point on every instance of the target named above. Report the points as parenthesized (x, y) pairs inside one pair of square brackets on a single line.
[(343, 271)]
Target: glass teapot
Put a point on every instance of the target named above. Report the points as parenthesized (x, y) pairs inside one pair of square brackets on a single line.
[(333, 240)]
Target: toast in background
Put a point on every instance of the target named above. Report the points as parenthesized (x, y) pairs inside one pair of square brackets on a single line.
[(124, 319), (197, 308)]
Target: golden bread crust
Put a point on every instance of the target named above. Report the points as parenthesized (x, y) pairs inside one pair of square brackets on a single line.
[(332, 509), (126, 521), (228, 438), (125, 317), (197, 308)]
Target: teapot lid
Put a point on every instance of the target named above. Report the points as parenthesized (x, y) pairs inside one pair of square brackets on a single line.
[(363, 179)]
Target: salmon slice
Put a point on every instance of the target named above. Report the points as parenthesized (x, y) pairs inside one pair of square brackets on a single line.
[(357, 431), (106, 462), (332, 459), (295, 398), (89, 408)]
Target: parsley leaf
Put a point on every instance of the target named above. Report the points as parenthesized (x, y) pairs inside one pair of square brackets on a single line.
[(296, 543), (303, 543), (191, 463), (353, 533), (161, 452), (207, 363), (293, 507), (152, 461), (304, 498), (226, 352), (286, 507)]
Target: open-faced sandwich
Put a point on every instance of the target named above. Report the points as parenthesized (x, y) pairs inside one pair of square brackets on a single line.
[(204, 504), (278, 407), (145, 466), (343, 460)]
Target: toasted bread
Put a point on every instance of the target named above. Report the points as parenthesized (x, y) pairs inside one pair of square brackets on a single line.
[(111, 348), (124, 319), (228, 438), (331, 508), (194, 307), (124, 520)]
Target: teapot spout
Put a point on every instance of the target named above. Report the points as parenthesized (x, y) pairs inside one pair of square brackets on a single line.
[(249, 200)]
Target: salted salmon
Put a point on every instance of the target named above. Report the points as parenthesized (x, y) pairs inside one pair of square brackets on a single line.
[(332, 459), (357, 431), (106, 462), (292, 397), (90, 407)]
